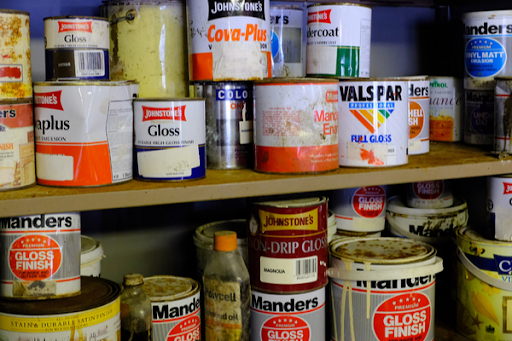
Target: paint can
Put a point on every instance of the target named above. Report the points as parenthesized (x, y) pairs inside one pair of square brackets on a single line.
[(479, 112), (419, 117), (76, 47), (158, 61), (446, 113), (15, 68), (229, 124), (286, 41), (502, 114), (176, 307), (296, 125), (484, 290), (499, 204), (390, 284), (17, 157), (338, 40), (360, 209), (90, 257), (288, 245), (288, 317), (169, 139), (41, 256), (84, 133), (429, 225), (92, 315), (342, 234), (375, 132), (429, 194), (229, 41)]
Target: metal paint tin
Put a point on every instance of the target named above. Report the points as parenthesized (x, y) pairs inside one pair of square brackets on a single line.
[(332, 226), (360, 209), (446, 97), (375, 132), (41, 256), (288, 245), (229, 125), (390, 284), (286, 41), (341, 234), (76, 47), (176, 307), (17, 157), (157, 61), (288, 317), (229, 41), (169, 139), (499, 204), (339, 38), (296, 125), (429, 194), (15, 68), (90, 256), (479, 113), (503, 114), (484, 290), (84, 133), (419, 123), (92, 315)]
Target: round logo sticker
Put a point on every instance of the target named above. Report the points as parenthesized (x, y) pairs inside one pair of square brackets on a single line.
[(369, 202), (416, 119), (187, 330), (484, 57), (34, 257), (482, 119), (403, 317), (274, 44), (429, 190), (285, 328)]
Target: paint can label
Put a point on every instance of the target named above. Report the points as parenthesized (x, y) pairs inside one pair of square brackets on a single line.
[(286, 42), (445, 109), (338, 40), (76, 33), (479, 117), (419, 124), (499, 204), (429, 194)]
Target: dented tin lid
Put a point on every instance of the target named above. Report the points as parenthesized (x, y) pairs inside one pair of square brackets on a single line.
[(302, 202), (168, 288)]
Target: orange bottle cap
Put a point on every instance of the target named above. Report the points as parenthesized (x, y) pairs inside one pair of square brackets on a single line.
[(225, 241)]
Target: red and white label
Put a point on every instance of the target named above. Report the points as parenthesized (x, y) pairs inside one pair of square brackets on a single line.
[(35, 257), (403, 317), (429, 190), (187, 330), (507, 188), (331, 96), (416, 119), (11, 73), (50, 100), (320, 17), (175, 114), (84, 26), (369, 202), (285, 328)]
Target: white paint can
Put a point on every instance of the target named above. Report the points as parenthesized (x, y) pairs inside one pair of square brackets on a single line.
[(479, 112), (499, 206), (339, 37), (229, 41), (288, 317), (446, 108), (419, 117), (429, 194), (375, 129), (90, 257), (382, 289), (360, 209)]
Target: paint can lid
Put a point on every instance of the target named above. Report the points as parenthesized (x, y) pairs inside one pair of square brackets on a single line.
[(131, 280), (203, 237), (225, 241), (397, 205), (168, 288), (91, 250), (292, 203)]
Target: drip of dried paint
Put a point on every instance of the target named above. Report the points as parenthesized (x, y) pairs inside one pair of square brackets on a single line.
[(372, 160)]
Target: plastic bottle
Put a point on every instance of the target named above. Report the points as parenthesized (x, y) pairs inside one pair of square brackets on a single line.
[(227, 292), (136, 312)]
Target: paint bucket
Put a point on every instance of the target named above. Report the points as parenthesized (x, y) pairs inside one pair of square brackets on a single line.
[(229, 124), (419, 117), (17, 157), (502, 114), (148, 43), (341, 234), (434, 225), (479, 112), (288, 245), (360, 209), (499, 204), (84, 133), (446, 96), (288, 317), (375, 132), (203, 240), (176, 307), (169, 139), (339, 38), (76, 47), (484, 291), (286, 41), (229, 41), (390, 284), (332, 226), (92, 315), (429, 194), (41, 256), (296, 125), (90, 257), (15, 68)]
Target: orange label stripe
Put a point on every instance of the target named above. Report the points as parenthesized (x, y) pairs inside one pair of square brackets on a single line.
[(363, 120)]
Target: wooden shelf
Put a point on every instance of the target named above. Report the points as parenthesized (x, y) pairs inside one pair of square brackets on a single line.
[(445, 161)]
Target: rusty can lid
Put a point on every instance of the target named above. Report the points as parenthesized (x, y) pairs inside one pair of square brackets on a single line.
[(168, 288), (95, 292), (132, 280)]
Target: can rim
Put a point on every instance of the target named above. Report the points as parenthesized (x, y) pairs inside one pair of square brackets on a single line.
[(375, 79), (340, 4), (194, 288), (459, 205), (84, 82), (503, 78), (461, 234), (14, 11), (295, 203), (450, 77), (479, 14), (16, 101), (95, 251), (75, 17), (289, 7), (170, 99), (142, 2), (295, 81), (206, 242)]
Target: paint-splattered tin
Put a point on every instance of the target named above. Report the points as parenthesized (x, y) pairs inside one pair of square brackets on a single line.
[(446, 109), (419, 117), (429, 194), (479, 112)]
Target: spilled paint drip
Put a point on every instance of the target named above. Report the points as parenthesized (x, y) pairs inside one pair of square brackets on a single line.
[(370, 156)]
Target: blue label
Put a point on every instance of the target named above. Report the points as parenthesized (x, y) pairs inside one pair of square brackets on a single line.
[(232, 94), (274, 43), (484, 57), (504, 265)]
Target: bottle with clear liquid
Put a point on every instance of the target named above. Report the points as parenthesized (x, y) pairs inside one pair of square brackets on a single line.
[(227, 292), (136, 311)]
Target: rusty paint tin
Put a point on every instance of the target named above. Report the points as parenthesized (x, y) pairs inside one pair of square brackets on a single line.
[(341, 234), (288, 245), (429, 194), (176, 307), (15, 68), (95, 313), (446, 108), (296, 125)]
